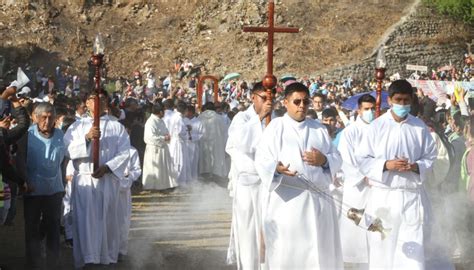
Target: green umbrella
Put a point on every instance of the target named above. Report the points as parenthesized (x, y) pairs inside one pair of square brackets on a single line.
[(231, 76)]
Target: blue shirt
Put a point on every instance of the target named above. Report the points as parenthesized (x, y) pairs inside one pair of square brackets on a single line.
[(43, 162)]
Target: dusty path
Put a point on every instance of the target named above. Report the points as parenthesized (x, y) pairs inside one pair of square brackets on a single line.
[(184, 229)]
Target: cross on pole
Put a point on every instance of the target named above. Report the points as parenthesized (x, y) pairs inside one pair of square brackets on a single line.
[(269, 81)]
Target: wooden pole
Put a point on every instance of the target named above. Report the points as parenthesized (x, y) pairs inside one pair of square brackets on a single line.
[(97, 62), (379, 76)]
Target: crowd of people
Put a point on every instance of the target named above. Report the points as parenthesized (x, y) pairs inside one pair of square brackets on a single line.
[(292, 180)]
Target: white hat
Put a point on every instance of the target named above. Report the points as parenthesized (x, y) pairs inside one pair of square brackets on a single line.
[(25, 91)]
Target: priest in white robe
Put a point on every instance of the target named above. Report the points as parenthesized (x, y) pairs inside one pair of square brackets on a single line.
[(396, 154), (132, 172), (212, 156), (180, 134), (355, 189), (158, 170), (169, 112), (296, 161), (196, 130), (94, 195), (245, 133)]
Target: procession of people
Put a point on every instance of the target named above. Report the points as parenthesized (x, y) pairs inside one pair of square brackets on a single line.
[(315, 184)]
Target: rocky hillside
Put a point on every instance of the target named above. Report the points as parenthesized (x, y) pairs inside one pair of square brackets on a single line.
[(141, 33)]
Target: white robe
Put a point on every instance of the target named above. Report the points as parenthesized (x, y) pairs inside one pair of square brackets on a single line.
[(212, 156), (167, 118), (67, 209), (95, 201), (192, 146), (353, 237), (245, 132), (178, 152), (397, 198), (300, 226), (158, 170), (132, 173)]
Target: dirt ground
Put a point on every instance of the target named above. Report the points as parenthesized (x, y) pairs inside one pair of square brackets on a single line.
[(184, 229), (187, 228)]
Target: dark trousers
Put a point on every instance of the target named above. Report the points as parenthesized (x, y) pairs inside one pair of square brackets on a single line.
[(42, 219)]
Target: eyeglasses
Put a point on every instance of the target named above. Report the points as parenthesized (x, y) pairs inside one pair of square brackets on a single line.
[(298, 101), (262, 97)]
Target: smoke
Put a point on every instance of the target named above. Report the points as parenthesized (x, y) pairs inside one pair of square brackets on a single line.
[(449, 243), (187, 228)]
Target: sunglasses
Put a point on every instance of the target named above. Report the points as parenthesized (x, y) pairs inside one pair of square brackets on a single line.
[(298, 101), (262, 97)]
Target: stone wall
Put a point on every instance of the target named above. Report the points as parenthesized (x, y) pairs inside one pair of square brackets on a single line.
[(426, 38)]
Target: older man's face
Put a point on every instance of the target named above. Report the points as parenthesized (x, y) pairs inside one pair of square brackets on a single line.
[(46, 121)]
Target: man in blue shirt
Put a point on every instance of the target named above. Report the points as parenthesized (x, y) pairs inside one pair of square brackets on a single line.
[(45, 153)]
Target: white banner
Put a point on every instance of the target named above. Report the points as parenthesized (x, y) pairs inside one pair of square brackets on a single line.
[(417, 68), (437, 90)]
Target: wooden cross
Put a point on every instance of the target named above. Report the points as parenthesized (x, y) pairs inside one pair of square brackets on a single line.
[(269, 81)]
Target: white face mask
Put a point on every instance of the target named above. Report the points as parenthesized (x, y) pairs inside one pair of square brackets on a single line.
[(368, 116)]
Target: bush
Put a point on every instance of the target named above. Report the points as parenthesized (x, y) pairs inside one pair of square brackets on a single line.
[(460, 9)]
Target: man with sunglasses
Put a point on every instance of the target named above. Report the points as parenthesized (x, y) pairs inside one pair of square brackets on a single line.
[(296, 162), (95, 193), (245, 133)]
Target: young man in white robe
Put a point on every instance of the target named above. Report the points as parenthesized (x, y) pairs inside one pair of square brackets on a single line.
[(245, 133), (296, 161), (169, 112), (355, 189), (195, 130), (212, 156), (132, 172), (94, 195), (158, 170), (179, 133), (395, 155)]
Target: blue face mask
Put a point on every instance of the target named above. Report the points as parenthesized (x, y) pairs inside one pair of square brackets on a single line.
[(368, 116), (401, 110)]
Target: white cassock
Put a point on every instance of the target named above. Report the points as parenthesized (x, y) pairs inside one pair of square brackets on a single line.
[(132, 173), (158, 170), (192, 146), (244, 135), (67, 209), (212, 156), (353, 237), (399, 199), (95, 201), (167, 118), (178, 152), (300, 225)]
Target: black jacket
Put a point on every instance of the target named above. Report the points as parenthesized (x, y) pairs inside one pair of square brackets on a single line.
[(8, 137)]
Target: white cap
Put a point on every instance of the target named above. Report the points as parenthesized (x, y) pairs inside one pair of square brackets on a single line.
[(25, 91)]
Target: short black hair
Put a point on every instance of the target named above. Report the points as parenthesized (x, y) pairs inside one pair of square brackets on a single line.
[(181, 106), (400, 87), (209, 106), (296, 87), (156, 108), (320, 95), (329, 112), (168, 104), (130, 101), (191, 108), (257, 87), (459, 120), (366, 98)]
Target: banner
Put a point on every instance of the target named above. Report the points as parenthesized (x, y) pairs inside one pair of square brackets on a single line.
[(437, 90)]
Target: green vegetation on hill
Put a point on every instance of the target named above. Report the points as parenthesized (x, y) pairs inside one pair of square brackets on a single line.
[(461, 9)]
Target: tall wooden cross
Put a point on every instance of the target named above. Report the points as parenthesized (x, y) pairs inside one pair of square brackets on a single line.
[(270, 81)]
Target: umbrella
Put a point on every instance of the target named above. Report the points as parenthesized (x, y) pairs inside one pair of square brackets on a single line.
[(287, 78), (231, 76), (352, 102)]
